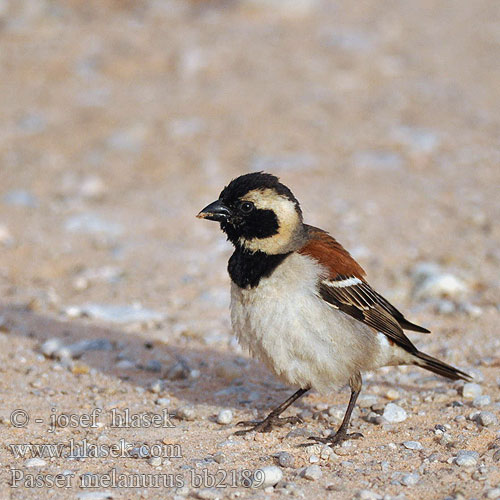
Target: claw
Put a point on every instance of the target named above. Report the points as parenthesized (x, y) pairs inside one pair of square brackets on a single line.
[(336, 438)]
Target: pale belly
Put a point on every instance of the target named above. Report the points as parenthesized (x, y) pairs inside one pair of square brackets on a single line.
[(302, 339)]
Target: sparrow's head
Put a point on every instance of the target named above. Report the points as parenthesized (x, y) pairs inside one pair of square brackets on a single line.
[(258, 213)]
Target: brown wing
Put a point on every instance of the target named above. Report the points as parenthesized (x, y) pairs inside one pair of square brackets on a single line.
[(346, 289)]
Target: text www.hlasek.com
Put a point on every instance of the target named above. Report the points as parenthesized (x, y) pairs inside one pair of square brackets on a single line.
[(85, 449)]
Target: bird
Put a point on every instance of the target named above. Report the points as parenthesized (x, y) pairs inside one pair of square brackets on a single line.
[(301, 304)]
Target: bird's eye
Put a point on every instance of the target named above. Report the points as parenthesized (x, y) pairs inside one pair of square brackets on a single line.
[(246, 207)]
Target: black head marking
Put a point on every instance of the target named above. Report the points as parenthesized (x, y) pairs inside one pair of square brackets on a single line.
[(247, 221)]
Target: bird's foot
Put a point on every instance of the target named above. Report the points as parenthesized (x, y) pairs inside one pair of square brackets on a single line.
[(339, 437), (267, 424)]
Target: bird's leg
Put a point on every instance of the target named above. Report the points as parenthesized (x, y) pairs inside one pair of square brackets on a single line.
[(273, 419), (341, 434)]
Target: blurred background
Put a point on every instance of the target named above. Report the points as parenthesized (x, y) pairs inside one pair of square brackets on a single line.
[(120, 119)]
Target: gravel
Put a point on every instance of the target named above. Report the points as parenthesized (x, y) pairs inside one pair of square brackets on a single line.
[(486, 419), (35, 462), (313, 472), (271, 476), (466, 458), (286, 459), (471, 390), (410, 479), (394, 413), (412, 445), (225, 417)]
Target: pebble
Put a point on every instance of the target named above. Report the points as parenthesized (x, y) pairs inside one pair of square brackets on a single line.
[(466, 458), (430, 282), (367, 495), (486, 418), (471, 390), (6, 237), (208, 494), (95, 495), (394, 413), (392, 394), (186, 413), (412, 445), (367, 400), (267, 476), (156, 386), (410, 479), (286, 459), (165, 402), (121, 314), (155, 461), (225, 417), (481, 401), (313, 472), (35, 462), (493, 494)]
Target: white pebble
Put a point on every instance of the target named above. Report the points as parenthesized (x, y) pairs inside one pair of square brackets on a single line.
[(394, 413), (95, 495), (267, 476), (486, 418), (155, 461), (313, 472), (481, 401), (493, 494), (35, 462), (225, 417), (367, 495), (466, 458), (412, 445), (410, 479), (50, 347), (471, 390), (186, 413)]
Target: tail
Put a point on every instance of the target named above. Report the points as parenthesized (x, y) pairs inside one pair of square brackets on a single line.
[(436, 366)]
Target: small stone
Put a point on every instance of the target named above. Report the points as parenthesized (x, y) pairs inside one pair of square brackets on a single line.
[(153, 365), (466, 458), (410, 479), (155, 461), (430, 282), (208, 494), (186, 413), (165, 402), (367, 400), (392, 394), (178, 371), (266, 476), (156, 386), (313, 459), (80, 369), (225, 417), (6, 237), (35, 462), (219, 457), (367, 495), (486, 418), (471, 390), (286, 459), (313, 472), (394, 413), (481, 401), (493, 494), (412, 445), (50, 347), (95, 495)]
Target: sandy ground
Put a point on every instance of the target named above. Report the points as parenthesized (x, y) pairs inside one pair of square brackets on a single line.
[(121, 119)]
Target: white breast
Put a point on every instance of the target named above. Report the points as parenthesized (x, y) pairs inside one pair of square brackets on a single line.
[(305, 341)]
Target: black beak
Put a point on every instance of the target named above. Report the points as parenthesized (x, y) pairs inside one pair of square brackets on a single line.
[(216, 211)]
